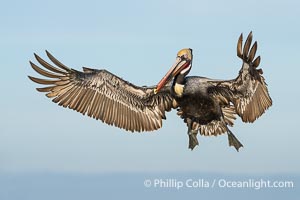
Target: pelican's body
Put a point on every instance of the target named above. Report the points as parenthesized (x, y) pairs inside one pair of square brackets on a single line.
[(207, 106), (195, 102)]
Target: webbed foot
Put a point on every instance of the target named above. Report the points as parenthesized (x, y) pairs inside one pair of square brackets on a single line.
[(233, 141)]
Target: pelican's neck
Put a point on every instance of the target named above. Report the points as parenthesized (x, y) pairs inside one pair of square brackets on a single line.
[(178, 84), (179, 79)]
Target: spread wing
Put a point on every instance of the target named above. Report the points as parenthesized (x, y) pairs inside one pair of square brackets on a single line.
[(103, 96), (248, 92)]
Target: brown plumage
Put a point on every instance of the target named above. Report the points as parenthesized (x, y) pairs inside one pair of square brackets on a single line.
[(248, 92), (207, 106), (103, 96)]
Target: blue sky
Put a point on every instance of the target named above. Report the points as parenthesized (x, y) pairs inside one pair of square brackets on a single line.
[(138, 40)]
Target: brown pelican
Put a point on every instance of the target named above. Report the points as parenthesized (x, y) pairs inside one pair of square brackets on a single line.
[(208, 106)]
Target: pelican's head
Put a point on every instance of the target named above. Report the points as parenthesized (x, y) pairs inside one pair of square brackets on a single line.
[(182, 65), (185, 53)]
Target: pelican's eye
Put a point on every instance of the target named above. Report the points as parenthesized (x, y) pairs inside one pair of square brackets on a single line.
[(184, 56)]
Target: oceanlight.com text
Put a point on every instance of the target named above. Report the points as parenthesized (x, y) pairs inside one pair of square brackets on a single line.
[(256, 184)]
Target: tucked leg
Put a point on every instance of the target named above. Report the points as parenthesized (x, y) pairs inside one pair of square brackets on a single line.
[(193, 141), (233, 141)]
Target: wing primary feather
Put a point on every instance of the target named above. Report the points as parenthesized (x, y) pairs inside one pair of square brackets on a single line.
[(247, 46), (56, 62), (48, 66), (256, 62), (45, 89), (42, 71), (252, 52), (43, 81), (240, 46)]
